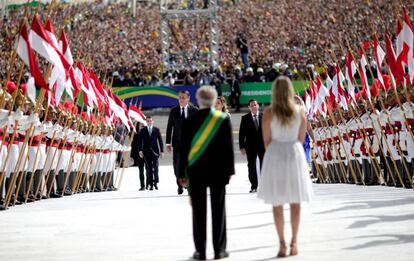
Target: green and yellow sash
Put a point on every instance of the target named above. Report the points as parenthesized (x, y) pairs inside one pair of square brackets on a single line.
[(205, 134)]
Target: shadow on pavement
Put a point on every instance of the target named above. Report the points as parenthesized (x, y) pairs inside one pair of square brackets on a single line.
[(391, 240), (353, 205), (251, 227), (379, 219)]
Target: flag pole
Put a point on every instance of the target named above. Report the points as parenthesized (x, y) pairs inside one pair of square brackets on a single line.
[(383, 134), (341, 164), (383, 151), (321, 174)]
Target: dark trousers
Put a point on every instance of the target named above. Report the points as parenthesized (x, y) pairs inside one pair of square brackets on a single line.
[(234, 100), (251, 165), (37, 181), (111, 179), (60, 181), (391, 176), (315, 172), (198, 194), (104, 180), (405, 175), (71, 180), (334, 171), (97, 178), (30, 187), (9, 186), (368, 171), (151, 162), (49, 182), (21, 179), (84, 181), (140, 162), (176, 157), (344, 171), (13, 187), (412, 171)]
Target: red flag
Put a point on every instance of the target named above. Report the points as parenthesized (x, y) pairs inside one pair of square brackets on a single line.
[(396, 67), (64, 47)]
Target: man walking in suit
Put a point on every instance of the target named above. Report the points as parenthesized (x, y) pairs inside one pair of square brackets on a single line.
[(207, 160), (251, 141), (175, 119), (151, 148), (138, 161), (235, 94)]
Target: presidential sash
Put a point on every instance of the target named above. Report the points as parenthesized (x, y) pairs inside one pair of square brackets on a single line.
[(205, 134)]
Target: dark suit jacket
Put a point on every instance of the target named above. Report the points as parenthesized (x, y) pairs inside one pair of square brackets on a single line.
[(250, 138), (235, 86), (174, 125), (135, 146), (151, 145), (216, 164)]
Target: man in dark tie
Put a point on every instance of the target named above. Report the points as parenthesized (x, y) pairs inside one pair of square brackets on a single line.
[(251, 141), (175, 119), (151, 148), (207, 161)]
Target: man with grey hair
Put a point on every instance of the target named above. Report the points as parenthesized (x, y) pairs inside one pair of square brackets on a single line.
[(207, 161)]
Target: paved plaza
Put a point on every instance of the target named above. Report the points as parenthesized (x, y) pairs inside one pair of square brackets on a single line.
[(344, 222)]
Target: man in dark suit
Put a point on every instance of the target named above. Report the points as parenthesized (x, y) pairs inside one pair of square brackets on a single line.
[(138, 161), (175, 119), (251, 141), (235, 93), (151, 148), (208, 164)]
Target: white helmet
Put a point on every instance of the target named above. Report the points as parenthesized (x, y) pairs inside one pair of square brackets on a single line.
[(276, 66)]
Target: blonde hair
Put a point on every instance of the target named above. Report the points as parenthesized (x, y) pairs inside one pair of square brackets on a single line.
[(283, 104), (224, 103)]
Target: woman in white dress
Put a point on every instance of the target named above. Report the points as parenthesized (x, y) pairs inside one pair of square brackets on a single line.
[(285, 177)]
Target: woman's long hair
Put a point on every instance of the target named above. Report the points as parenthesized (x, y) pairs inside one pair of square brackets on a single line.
[(283, 104), (224, 103)]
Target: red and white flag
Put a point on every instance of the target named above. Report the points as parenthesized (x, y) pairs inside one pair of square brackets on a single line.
[(84, 86), (322, 93), (136, 114), (120, 110), (64, 47), (379, 58), (396, 68), (363, 73), (25, 52), (405, 40), (338, 88), (349, 74), (43, 45), (51, 32)]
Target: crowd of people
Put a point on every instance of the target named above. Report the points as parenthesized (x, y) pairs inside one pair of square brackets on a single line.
[(291, 33)]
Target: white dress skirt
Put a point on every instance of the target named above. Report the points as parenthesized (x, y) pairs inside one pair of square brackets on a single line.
[(285, 176)]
